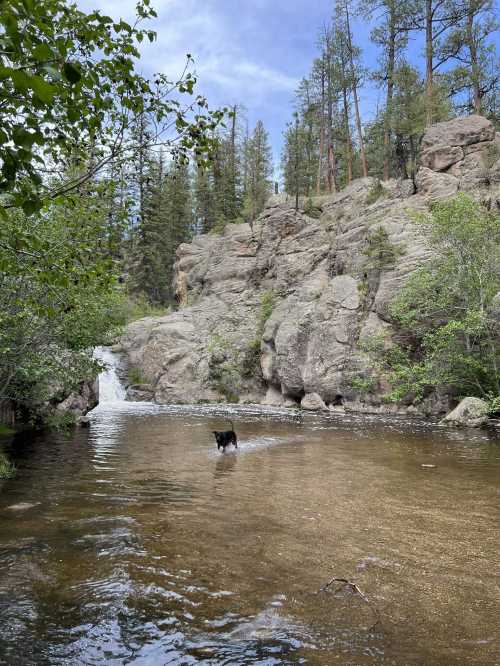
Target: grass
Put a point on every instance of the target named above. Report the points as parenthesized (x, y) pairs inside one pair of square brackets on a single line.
[(136, 377), (5, 431), (139, 307), (7, 468)]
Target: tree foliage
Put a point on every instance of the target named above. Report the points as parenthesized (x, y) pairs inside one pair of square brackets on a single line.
[(57, 301), (447, 312), (69, 87)]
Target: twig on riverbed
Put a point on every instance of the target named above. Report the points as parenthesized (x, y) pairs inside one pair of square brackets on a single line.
[(355, 590)]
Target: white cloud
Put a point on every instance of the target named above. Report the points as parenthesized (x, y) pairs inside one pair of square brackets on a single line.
[(227, 64)]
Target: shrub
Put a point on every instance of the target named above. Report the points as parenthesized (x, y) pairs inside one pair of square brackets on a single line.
[(445, 311), (312, 210), (375, 193), (364, 384), (60, 421), (380, 253), (494, 405), (7, 467), (135, 376)]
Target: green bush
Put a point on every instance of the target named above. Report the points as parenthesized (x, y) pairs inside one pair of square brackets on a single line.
[(135, 376), (380, 253), (494, 405), (7, 468), (364, 384), (445, 312), (60, 421), (375, 193), (312, 210)]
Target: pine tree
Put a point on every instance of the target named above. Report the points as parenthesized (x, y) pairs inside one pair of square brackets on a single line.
[(392, 36), (477, 73), (294, 159), (259, 170)]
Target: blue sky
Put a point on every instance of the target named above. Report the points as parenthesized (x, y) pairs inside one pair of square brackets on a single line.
[(250, 52)]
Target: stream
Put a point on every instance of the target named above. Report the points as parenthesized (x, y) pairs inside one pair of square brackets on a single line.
[(136, 542)]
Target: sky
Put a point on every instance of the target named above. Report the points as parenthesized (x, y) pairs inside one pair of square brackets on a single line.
[(249, 52)]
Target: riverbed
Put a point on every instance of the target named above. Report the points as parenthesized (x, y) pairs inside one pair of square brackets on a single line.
[(137, 542)]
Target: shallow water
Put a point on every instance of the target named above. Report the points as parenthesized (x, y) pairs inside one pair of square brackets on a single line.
[(136, 542)]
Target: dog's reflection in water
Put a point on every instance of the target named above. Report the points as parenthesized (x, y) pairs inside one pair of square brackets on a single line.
[(225, 464)]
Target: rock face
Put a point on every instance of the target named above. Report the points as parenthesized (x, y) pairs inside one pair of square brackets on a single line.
[(459, 154), (81, 401), (279, 313), (470, 413)]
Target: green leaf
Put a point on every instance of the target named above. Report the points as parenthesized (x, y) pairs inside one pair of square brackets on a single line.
[(42, 52), (42, 89), (32, 205), (72, 72), (22, 138), (20, 80)]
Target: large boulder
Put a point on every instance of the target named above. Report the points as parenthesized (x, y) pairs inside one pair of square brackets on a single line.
[(458, 132), (469, 413), (312, 402), (439, 158), (436, 185), (458, 154)]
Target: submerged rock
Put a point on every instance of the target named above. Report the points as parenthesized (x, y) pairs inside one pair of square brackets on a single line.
[(469, 413), (22, 506)]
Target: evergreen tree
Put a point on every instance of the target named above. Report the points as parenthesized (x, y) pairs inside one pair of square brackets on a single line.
[(167, 220), (477, 74), (391, 35), (294, 159), (259, 170)]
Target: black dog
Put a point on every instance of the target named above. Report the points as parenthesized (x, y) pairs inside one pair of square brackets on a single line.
[(225, 438)]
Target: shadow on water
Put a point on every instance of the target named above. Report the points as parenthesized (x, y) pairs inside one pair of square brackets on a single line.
[(137, 542)]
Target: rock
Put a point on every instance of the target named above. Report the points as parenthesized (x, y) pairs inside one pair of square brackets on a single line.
[(439, 158), (84, 422), (312, 402), (436, 185), (80, 402), (273, 398), (469, 413), (140, 393), (326, 303), (406, 188), (458, 132), (22, 506), (495, 305)]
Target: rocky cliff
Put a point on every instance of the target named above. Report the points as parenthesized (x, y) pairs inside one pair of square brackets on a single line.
[(277, 313)]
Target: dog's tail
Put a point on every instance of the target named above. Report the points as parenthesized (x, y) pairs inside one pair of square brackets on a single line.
[(232, 424)]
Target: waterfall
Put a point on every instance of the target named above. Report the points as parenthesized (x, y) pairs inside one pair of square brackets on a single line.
[(110, 387)]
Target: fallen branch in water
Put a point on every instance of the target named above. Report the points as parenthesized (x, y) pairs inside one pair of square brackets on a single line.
[(355, 590)]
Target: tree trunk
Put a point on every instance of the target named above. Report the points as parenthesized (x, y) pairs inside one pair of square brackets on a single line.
[(391, 61), (471, 43), (232, 167), (348, 144), (364, 165), (297, 165), (429, 56), (332, 184), (321, 134)]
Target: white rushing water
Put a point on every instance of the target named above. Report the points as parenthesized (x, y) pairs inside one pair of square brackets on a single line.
[(110, 387)]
